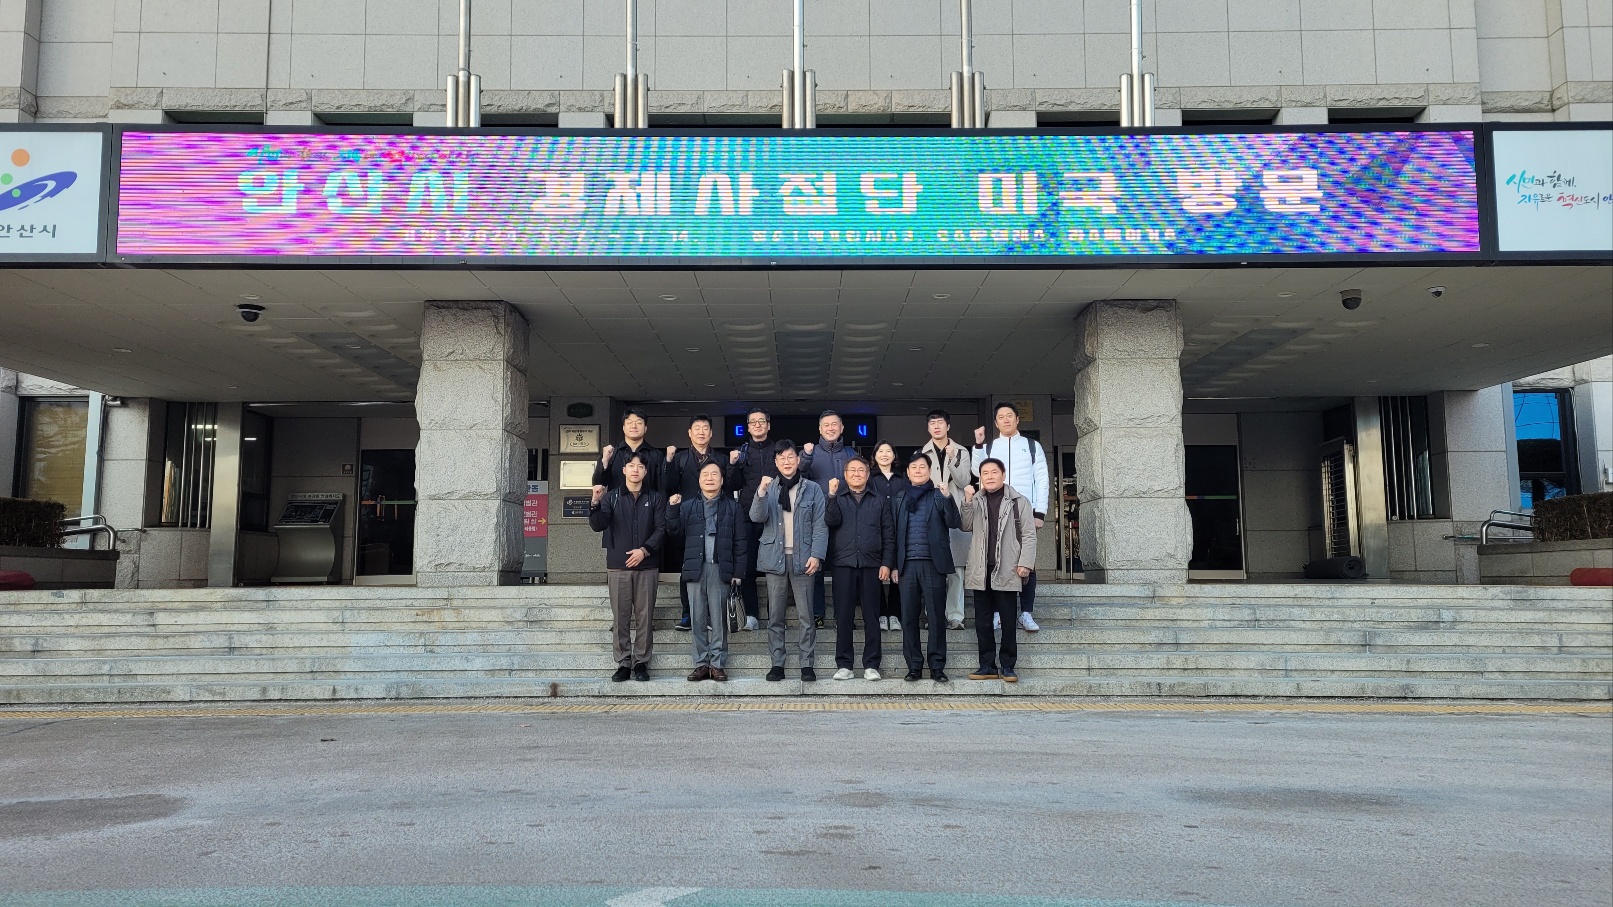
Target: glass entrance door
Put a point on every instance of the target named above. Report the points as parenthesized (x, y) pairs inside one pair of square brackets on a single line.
[(1213, 502), (385, 516)]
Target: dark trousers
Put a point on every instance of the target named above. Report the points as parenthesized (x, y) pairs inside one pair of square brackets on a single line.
[(924, 587), (1006, 606), (892, 604), (672, 562), (857, 587), (1027, 594), (747, 583)]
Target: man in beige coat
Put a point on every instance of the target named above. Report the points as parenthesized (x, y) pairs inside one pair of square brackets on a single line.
[(951, 470), (1002, 552)]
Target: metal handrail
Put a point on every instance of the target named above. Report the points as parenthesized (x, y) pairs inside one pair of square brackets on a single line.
[(101, 526), (1525, 523)]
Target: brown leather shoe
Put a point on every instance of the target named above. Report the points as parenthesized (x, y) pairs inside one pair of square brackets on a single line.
[(701, 673), (719, 675)]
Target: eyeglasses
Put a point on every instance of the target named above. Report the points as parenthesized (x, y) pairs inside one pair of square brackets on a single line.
[(756, 422)]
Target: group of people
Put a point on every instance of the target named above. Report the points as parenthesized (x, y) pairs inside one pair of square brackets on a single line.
[(902, 541)]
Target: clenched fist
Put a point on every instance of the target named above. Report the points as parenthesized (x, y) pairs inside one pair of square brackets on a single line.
[(607, 453), (669, 453), (762, 487), (968, 494), (980, 435), (599, 492), (733, 457), (675, 500), (807, 448), (834, 486)]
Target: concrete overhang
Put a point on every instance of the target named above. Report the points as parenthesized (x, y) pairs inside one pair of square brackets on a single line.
[(343, 335)]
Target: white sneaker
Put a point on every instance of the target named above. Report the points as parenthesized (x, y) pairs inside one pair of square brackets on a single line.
[(996, 621), (896, 624), (871, 674), (843, 674), (750, 623), (1028, 623)]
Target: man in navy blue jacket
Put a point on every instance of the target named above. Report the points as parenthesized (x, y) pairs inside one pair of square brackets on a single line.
[(922, 516), (822, 463), (862, 549), (716, 535)]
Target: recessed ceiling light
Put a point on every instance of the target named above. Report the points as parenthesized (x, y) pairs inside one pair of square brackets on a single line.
[(668, 297), (355, 346), (1480, 346), (249, 296), (1372, 381), (915, 349), (231, 387), (1284, 295), (896, 384), (942, 296), (691, 349), (711, 385), (121, 349)]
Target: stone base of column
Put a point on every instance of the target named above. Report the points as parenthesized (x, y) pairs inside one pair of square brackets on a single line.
[(1129, 458), (470, 463)]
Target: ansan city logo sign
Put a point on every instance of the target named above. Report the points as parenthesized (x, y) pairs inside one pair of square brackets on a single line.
[(21, 195), (50, 193)]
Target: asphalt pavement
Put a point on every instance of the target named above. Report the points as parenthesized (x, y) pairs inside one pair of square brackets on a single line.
[(847, 806)]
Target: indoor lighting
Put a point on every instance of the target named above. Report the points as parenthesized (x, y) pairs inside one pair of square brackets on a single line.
[(669, 297), (249, 296), (121, 349), (941, 296)]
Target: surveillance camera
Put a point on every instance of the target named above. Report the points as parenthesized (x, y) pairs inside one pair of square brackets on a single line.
[(1436, 292), (249, 312), (1351, 299)]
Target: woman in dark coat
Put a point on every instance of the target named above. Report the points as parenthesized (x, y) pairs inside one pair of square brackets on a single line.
[(887, 481)]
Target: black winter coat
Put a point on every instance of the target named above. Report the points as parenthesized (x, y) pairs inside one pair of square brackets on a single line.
[(861, 534), (945, 516), (755, 461), (611, 476), (688, 521), (682, 474), (628, 524)]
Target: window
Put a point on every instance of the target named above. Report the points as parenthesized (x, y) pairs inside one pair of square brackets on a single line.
[(1546, 467), (1407, 459), (51, 467), (187, 474), (257, 440)]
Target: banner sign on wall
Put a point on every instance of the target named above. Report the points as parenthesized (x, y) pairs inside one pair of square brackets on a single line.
[(764, 198), (50, 193), (1553, 190)]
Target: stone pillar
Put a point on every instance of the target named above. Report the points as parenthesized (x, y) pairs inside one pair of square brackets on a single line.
[(470, 464), (10, 412), (1129, 459)]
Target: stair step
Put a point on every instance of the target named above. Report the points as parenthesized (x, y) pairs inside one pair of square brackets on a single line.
[(676, 687)]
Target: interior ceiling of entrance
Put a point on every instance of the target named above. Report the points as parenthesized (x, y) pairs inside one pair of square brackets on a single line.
[(876, 334)]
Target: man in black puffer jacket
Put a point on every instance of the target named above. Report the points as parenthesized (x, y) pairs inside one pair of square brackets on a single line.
[(716, 536), (862, 539)]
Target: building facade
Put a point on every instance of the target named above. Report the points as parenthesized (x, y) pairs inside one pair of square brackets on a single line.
[(1193, 412)]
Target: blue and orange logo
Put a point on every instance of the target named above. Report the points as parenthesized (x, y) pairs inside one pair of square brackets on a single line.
[(38, 189)]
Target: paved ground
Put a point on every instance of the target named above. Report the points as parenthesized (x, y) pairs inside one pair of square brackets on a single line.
[(760, 806)]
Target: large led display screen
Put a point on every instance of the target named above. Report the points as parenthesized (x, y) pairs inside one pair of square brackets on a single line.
[(748, 198)]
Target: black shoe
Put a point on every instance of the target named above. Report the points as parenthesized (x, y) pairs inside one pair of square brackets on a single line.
[(911, 676), (622, 673), (775, 673), (641, 672), (682, 625), (808, 675), (938, 676)]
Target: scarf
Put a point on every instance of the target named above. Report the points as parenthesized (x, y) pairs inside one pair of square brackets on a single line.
[(917, 497), (784, 488)]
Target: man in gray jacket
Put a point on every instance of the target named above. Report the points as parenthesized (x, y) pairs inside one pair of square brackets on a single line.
[(794, 542), (1002, 552)]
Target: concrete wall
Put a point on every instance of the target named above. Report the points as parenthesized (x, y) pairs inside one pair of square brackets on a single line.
[(10, 413), (875, 59), (1282, 491)]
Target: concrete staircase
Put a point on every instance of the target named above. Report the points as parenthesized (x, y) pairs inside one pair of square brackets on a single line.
[(325, 643)]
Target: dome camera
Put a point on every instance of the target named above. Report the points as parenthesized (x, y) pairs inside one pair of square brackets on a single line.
[(249, 312), (1351, 299), (1436, 292)]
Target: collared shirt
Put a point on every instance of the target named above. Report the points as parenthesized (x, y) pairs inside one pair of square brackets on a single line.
[(711, 530)]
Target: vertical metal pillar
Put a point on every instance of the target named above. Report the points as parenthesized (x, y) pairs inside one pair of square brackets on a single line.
[(464, 104), (968, 85), (1136, 87), (632, 108)]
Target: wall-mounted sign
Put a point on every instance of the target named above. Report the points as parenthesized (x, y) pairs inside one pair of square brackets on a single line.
[(576, 475), (579, 439), (765, 198), (576, 507), (51, 193), (1553, 190)]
